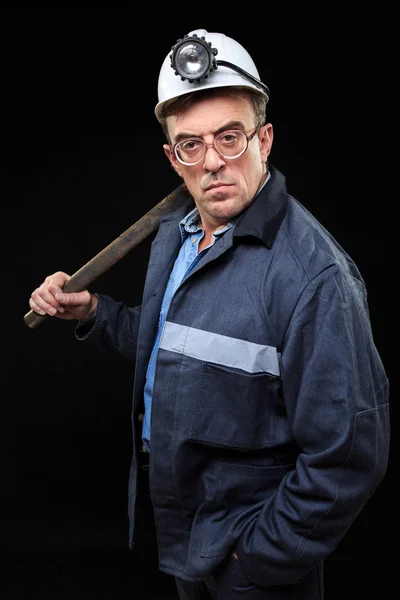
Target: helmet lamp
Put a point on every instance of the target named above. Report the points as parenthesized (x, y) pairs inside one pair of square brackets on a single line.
[(193, 59)]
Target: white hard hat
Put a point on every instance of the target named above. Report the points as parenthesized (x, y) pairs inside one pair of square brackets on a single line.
[(219, 59)]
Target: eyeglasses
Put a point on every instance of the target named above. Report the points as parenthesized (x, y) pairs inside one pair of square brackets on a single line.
[(229, 144)]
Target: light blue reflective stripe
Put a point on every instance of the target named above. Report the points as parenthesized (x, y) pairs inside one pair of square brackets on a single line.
[(220, 349)]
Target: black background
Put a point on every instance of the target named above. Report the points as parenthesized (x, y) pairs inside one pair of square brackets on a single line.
[(81, 161)]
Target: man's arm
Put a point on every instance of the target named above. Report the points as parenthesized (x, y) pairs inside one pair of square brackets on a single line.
[(336, 396)]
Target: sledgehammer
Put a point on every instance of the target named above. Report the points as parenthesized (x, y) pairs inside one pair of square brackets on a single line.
[(118, 248)]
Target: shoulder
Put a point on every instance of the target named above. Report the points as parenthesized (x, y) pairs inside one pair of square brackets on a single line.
[(306, 247)]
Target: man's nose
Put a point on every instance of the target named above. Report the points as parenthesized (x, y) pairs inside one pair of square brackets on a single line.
[(212, 160)]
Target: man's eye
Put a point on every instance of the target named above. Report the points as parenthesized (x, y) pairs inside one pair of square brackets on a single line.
[(228, 138), (190, 145)]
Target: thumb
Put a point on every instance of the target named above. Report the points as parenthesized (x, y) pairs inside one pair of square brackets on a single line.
[(73, 298)]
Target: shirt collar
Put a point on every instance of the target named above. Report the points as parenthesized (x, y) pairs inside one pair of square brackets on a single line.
[(190, 223)]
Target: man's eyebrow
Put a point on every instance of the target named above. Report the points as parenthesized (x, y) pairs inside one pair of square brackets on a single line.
[(184, 135)]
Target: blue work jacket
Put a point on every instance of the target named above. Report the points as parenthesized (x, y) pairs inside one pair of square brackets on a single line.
[(270, 418)]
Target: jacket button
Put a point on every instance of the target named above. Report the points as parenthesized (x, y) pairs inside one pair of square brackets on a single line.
[(140, 417)]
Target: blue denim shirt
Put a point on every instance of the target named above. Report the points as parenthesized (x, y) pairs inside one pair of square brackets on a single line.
[(188, 257)]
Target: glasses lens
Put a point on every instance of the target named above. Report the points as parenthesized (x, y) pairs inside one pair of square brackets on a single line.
[(190, 151), (231, 143)]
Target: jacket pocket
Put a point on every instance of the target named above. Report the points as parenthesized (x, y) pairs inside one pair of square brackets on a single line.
[(233, 407), (239, 492)]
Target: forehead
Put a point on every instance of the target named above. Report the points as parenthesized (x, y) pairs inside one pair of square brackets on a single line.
[(208, 115)]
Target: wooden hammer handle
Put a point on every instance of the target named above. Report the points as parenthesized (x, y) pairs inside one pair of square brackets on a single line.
[(117, 249)]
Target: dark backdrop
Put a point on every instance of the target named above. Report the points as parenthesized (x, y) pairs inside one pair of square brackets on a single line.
[(81, 161)]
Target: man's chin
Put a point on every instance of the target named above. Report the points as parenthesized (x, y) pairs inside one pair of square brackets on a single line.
[(223, 210)]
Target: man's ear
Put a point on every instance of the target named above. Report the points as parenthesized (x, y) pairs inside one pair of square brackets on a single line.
[(266, 136), (172, 159)]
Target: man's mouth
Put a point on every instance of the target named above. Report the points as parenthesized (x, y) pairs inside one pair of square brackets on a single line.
[(217, 185)]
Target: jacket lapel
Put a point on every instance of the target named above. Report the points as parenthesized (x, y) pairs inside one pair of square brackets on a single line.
[(164, 250)]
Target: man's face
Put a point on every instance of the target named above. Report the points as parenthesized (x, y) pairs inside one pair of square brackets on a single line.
[(221, 188)]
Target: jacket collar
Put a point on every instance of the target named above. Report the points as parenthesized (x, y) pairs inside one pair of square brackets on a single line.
[(265, 214)]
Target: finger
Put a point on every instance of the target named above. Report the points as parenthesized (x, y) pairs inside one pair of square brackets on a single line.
[(36, 308), (58, 279), (45, 301), (54, 283)]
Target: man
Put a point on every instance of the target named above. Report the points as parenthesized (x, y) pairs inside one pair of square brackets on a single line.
[(265, 401)]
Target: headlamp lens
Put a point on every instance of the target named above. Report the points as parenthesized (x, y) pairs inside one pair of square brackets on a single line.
[(192, 60)]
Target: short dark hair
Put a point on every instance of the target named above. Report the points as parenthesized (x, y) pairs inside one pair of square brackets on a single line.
[(182, 103)]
